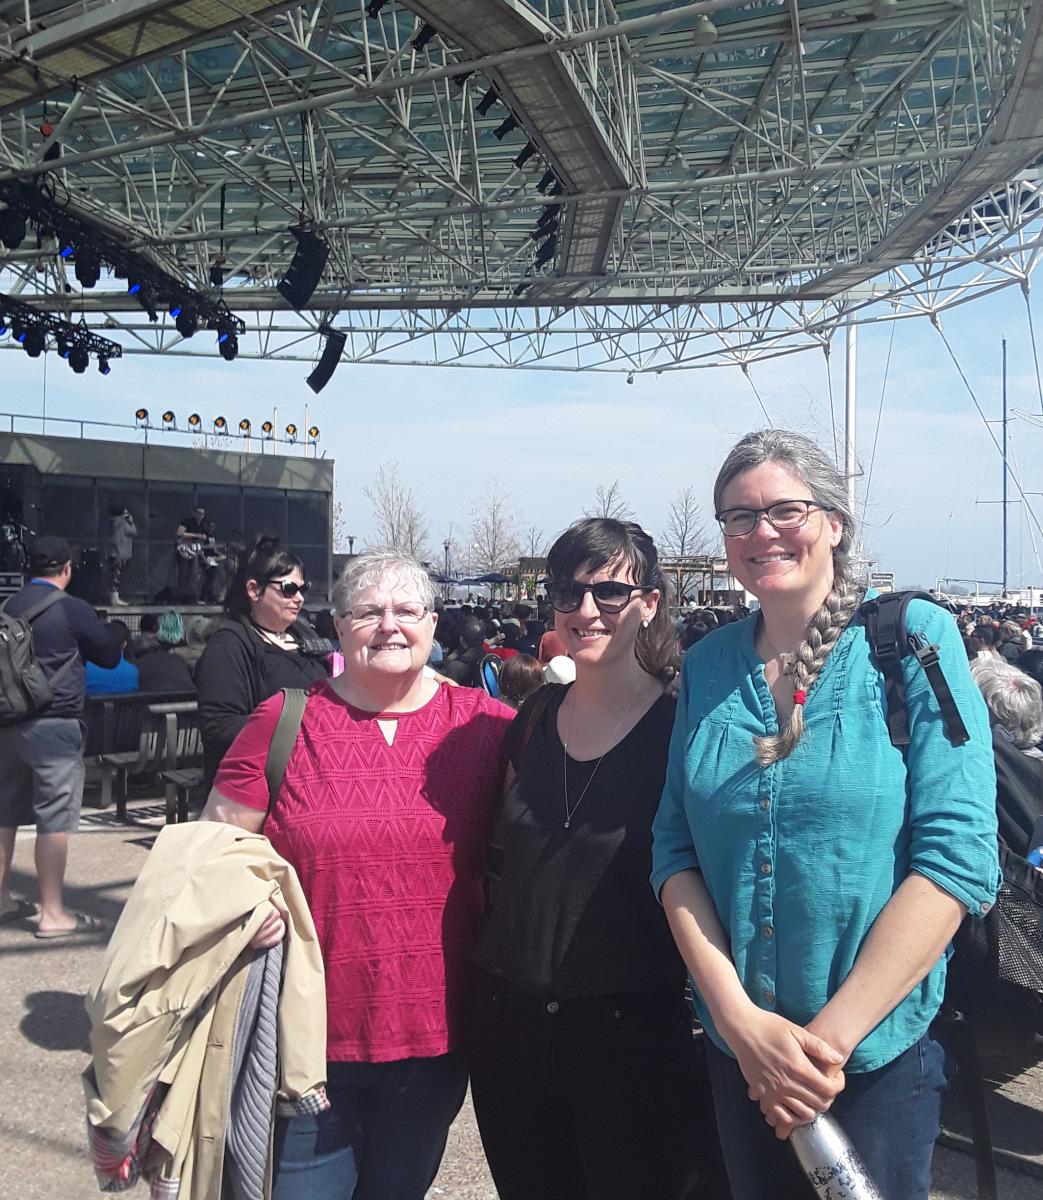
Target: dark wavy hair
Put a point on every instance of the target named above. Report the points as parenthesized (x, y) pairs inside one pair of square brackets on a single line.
[(262, 561), (592, 543)]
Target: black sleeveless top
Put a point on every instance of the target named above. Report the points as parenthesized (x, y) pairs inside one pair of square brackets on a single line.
[(574, 915)]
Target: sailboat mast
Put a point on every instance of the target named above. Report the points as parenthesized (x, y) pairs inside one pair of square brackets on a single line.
[(1004, 505)]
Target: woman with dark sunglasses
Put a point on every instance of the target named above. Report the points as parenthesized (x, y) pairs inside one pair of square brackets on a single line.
[(262, 646), (585, 1077)]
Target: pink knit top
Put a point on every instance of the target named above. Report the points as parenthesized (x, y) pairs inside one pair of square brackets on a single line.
[(389, 844)]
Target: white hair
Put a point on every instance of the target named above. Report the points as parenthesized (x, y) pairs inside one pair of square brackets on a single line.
[(374, 566), (1014, 699)]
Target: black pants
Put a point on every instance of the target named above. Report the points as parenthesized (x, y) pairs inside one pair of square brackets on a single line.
[(600, 1099)]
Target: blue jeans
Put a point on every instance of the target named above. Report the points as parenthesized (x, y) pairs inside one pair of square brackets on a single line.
[(382, 1137), (890, 1114)]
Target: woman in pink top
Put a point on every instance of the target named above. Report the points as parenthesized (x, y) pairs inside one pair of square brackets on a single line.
[(385, 813)]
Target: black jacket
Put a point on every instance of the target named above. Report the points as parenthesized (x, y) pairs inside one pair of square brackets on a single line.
[(237, 671), (66, 630)]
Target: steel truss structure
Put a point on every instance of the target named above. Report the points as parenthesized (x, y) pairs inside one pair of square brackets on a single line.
[(574, 184)]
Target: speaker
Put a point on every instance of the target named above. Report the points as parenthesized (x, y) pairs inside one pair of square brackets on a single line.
[(328, 360), (304, 272)]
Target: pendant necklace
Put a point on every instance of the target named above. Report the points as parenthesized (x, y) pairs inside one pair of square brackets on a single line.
[(571, 812), (786, 661)]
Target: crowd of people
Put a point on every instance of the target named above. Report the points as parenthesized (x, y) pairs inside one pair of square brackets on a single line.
[(524, 830)]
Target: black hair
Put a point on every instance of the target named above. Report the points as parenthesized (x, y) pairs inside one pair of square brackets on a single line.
[(1031, 662), (592, 543), (117, 510), (472, 632), (149, 623), (262, 561), (122, 628)]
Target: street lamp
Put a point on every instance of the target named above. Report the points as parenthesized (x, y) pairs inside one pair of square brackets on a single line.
[(351, 543), (448, 585)]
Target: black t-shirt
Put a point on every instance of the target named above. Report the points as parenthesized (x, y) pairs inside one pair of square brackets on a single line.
[(163, 671), (574, 914)]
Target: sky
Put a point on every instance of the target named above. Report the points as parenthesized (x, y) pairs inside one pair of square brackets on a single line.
[(547, 440)]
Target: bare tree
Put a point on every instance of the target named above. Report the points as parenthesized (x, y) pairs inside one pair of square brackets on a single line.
[(339, 528), (685, 534), (609, 502), (397, 521), (494, 538), (535, 543)]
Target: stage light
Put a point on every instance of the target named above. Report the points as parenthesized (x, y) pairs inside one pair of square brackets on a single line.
[(487, 101), (291, 433), (103, 366), (65, 247), (313, 432), (3, 327), (194, 421), (148, 302), (547, 251), (245, 427), (503, 129), (63, 347), (170, 419), (305, 270), (527, 153), (545, 181), (176, 310), (134, 283), (88, 266), (705, 32), (427, 32), (12, 228), (141, 417), (268, 429), (35, 342), (79, 359), (220, 425), (186, 322), (228, 345)]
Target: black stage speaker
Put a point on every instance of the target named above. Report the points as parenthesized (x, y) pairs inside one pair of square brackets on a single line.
[(304, 272), (328, 360)]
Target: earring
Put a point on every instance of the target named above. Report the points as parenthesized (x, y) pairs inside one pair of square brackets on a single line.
[(644, 624)]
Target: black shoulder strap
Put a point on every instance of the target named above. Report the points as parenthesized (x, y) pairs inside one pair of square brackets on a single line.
[(283, 740), (890, 642), (54, 596), (534, 709)]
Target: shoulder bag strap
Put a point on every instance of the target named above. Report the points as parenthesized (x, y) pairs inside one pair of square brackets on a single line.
[(283, 740), (55, 596)]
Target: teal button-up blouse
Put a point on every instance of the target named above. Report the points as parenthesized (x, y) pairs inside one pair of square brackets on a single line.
[(800, 857)]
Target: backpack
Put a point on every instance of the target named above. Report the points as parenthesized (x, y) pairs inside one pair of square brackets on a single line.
[(995, 976), (26, 690)]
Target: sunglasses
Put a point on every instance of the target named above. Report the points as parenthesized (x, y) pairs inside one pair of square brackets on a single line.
[(288, 588), (610, 596)]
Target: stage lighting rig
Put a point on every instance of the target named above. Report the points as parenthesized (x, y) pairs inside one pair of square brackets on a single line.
[(12, 228), (87, 266), (31, 329), (79, 359)]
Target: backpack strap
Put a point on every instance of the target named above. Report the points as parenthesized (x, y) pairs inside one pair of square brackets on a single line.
[(283, 740), (55, 596), (890, 642)]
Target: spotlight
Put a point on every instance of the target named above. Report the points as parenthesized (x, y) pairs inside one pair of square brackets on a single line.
[(228, 345), (268, 429), (65, 247), (313, 433), (170, 419), (502, 130), (220, 425), (103, 366), (63, 347), (12, 228), (304, 272), (630, 377), (141, 417), (88, 266), (176, 310), (374, 7), (3, 327), (328, 360), (35, 342), (427, 32), (134, 285), (217, 275), (148, 302), (486, 102), (547, 251), (186, 322), (528, 151), (245, 427), (705, 32), (291, 433), (545, 181), (79, 359), (194, 421)]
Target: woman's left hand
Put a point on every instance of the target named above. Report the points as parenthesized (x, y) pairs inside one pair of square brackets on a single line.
[(271, 930)]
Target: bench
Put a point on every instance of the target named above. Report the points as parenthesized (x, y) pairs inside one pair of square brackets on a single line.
[(183, 773)]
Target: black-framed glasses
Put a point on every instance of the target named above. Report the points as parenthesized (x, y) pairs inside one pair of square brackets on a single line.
[(288, 588), (610, 595), (783, 514)]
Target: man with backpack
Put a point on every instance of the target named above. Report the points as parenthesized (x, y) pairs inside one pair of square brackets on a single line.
[(46, 636)]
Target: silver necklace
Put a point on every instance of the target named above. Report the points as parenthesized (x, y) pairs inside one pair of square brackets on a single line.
[(571, 812), (786, 661)]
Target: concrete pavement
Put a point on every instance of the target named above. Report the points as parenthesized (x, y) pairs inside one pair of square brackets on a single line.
[(42, 1145)]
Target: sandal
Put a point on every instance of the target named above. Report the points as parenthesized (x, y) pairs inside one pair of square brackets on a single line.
[(24, 910), (84, 924)]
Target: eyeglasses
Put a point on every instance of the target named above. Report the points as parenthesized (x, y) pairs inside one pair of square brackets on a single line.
[(610, 596), (783, 514), (288, 588), (373, 614)]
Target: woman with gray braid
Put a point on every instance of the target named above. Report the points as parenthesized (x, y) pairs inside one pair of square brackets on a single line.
[(813, 874)]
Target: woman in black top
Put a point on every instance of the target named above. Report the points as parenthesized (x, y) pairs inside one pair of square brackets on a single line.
[(261, 647), (586, 1081)]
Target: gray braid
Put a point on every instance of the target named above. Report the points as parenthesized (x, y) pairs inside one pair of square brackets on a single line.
[(823, 632)]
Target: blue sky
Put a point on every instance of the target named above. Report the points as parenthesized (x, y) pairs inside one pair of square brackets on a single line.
[(548, 439)]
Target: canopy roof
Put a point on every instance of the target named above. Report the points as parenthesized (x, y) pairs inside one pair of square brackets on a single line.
[(575, 183)]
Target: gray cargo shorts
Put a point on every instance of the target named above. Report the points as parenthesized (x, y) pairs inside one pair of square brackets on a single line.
[(41, 774)]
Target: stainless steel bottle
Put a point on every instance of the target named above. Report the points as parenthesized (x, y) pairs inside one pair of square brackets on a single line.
[(832, 1164)]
